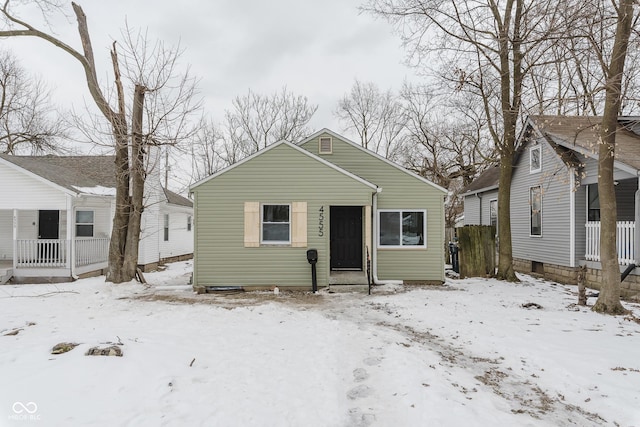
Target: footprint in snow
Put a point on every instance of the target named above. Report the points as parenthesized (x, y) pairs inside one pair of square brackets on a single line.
[(371, 361), (360, 374), (358, 419), (359, 392)]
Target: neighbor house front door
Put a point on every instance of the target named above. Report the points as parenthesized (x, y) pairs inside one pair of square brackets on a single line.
[(48, 224), (346, 237), (49, 229)]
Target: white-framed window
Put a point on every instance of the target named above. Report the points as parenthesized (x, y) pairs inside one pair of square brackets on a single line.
[(405, 228), (493, 212), (535, 211), (276, 224), (325, 145), (166, 227), (84, 223), (535, 159), (189, 222)]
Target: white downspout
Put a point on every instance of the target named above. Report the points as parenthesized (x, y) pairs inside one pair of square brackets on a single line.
[(15, 240), (71, 216), (636, 246), (572, 219), (374, 243)]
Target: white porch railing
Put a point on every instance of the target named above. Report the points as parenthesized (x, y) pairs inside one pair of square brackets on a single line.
[(92, 251), (625, 240), (41, 253)]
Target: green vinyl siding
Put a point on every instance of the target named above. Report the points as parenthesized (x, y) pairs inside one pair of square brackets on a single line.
[(280, 175), (400, 190)]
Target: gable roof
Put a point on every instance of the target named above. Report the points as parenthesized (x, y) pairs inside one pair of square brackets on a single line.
[(581, 134), (290, 145), (487, 180), (72, 173), (568, 135), (79, 174), (371, 153), (176, 199)]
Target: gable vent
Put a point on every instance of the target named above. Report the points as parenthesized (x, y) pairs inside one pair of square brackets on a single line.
[(326, 145)]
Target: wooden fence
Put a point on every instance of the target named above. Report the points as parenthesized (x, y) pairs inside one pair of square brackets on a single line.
[(477, 250)]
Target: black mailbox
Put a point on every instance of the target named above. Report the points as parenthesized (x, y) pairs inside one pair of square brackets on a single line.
[(312, 257)]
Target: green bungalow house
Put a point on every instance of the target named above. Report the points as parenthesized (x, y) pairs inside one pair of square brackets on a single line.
[(256, 220)]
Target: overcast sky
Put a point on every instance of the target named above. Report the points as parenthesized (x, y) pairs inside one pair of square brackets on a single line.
[(314, 48)]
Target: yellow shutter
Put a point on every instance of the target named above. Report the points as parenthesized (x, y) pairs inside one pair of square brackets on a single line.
[(251, 224), (299, 225)]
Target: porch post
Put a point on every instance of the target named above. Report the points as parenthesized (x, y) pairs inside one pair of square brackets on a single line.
[(15, 239), (636, 244), (71, 261)]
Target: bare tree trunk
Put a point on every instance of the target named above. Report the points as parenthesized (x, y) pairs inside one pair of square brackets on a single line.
[(510, 98), (582, 291), (609, 298), (117, 243), (505, 257), (137, 185)]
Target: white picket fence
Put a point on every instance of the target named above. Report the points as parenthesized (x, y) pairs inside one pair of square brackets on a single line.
[(625, 240)]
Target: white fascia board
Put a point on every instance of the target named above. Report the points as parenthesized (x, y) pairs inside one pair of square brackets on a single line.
[(295, 147), (38, 177), (588, 153)]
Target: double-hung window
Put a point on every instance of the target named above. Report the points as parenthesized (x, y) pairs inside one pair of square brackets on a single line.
[(166, 227), (493, 212), (535, 204), (276, 224), (535, 159), (402, 228), (84, 223)]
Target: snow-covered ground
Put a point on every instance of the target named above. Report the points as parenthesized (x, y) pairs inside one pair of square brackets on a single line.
[(464, 354)]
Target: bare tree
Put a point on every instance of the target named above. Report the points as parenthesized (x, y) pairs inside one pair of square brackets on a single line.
[(446, 141), (492, 48), (376, 116), (26, 124), (208, 151), (571, 79), (257, 121), (609, 298), (152, 71)]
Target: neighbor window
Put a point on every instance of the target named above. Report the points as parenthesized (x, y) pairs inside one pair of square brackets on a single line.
[(535, 159), (166, 227), (189, 223), (594, 203), (535, 202), (276, 224), (402, 229), (493, 213), (326, 146), (84, 223)]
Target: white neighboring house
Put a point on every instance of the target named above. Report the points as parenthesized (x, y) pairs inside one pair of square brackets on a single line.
[(57, 213)]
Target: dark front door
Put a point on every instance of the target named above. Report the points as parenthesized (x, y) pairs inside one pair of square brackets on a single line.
[(346, 237), (48, 228), (48, 224)]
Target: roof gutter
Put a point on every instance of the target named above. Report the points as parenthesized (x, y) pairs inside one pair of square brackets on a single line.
[(481, 190)]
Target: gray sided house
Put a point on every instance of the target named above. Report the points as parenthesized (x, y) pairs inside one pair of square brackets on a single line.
[(57, 214), (256, 220), (555, 210)]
